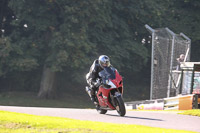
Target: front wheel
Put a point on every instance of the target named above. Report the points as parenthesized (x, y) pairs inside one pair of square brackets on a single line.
[(120, 107)]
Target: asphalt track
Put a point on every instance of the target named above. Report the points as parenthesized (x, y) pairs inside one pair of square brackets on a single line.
[(168, 120)]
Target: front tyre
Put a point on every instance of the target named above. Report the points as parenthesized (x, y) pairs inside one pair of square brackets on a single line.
[(120, 107)]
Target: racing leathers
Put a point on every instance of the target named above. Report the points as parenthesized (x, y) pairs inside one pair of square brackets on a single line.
[(92, 79)]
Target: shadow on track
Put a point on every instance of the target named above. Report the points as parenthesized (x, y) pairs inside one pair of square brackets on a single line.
[(131, 117)]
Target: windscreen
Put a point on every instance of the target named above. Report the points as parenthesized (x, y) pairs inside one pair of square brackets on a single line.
[(107, 73)]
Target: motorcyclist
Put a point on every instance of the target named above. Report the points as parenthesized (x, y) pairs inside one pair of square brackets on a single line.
[(92, 77)]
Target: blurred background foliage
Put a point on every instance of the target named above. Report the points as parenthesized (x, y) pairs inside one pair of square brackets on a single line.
[(65, 36)]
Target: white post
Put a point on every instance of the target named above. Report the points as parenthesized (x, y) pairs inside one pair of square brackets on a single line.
[(171, 63), (152, 58)]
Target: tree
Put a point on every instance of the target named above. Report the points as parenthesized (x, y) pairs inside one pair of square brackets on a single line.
[(53, 35)]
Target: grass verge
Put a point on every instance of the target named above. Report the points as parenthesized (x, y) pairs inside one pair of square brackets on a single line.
[(18, 123), (30, 99), (193, 112)]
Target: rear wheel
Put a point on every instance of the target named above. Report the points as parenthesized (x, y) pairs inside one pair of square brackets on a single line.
[(101, 111), (120, 107)]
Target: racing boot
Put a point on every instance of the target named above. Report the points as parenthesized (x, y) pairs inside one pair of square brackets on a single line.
[(88, 90), (93, 99), (91, 94)]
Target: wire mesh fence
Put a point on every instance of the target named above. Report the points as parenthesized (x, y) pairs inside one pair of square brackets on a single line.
[(168, 50), (162, 51), (181, 53)]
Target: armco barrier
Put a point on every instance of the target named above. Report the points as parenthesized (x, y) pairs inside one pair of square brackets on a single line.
[(181, 102), (143, 103), (171, 103), (185, 102), (152, 106)]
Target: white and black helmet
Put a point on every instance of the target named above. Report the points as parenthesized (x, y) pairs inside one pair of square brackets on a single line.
[(104, 61)]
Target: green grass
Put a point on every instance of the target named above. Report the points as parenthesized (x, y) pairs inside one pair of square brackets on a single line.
[(17, 123), (30, 99), (194, 112)]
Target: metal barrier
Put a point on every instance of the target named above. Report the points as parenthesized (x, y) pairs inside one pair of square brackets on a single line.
[(181, 102), (152, 106), (171, 103)]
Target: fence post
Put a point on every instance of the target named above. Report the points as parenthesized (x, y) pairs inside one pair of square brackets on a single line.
[(152, 58), (171, 63), (192, 81), (180, 89)]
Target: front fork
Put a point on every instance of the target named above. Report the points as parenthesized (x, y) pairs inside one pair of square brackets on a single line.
[(113, 98)]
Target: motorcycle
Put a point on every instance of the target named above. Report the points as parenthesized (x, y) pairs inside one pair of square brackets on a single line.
[(109, 93)]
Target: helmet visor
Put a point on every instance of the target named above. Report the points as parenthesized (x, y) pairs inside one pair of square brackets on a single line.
[(107, 64)]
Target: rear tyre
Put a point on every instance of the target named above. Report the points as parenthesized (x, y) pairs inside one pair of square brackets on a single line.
[(120, 107), (101, 111)]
